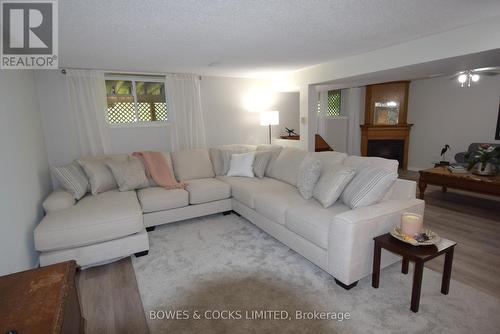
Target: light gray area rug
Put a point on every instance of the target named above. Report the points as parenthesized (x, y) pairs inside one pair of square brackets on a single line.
[(219, 263)]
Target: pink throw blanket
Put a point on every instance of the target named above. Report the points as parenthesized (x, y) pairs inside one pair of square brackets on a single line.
[(159, 170)]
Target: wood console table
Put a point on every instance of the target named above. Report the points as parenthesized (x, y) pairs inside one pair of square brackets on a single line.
[(42, 300), (441, 176)]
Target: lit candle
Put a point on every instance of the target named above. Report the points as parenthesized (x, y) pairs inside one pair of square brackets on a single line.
[(411, 224)]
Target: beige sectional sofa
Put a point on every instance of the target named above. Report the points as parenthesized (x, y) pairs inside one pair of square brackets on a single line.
[(338, 239)]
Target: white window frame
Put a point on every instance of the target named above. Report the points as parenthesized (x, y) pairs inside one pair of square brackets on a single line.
[(137, 123)]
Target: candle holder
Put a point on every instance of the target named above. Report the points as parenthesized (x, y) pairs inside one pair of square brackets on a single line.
[(411, 224)]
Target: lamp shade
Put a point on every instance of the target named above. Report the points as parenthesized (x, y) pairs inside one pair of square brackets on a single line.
[(270, 118)]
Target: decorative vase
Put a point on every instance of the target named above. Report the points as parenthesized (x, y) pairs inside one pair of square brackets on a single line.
[(489, 169)]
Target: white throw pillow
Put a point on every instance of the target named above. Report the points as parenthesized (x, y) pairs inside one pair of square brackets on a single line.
[(309, 172), (368, 187), (130, 174), (242, 165), (331, 184)]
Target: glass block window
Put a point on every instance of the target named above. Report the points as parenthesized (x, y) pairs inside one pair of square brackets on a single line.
[(135, 101), (333, 103)]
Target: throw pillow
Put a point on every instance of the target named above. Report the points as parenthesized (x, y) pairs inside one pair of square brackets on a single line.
[(100, 177), (309, 172), (331, 184), (242, 165), (286, 166), (275, 152), (72, 178), (130, 174), (260, 163), (368, 187), (227, 153)]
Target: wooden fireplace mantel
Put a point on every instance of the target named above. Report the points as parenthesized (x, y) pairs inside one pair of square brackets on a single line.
[(381, 132), (373, 129)]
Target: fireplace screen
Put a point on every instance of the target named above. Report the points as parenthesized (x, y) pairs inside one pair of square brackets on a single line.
[(387, 148)]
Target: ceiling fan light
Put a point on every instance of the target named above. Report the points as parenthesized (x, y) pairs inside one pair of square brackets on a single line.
[(475, 77), (462, 78)]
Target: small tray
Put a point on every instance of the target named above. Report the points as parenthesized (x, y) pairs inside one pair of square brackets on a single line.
[(433, 238)]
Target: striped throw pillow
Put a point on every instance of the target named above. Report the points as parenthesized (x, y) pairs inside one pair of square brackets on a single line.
[(72, 178), (368, 187)]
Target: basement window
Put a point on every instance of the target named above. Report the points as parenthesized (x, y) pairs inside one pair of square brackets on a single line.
[(136, 101), (332, 103)]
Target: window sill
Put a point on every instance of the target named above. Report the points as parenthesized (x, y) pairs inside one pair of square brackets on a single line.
[(337, 117), (140, 125)]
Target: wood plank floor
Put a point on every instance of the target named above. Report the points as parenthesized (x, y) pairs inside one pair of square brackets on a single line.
[(110, 299), (473, 221), (111, 302)]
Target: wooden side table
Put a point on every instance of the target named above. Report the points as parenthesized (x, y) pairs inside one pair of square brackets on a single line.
[(417, 254), (42, 300)]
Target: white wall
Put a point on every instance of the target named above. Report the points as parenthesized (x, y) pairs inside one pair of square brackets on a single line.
[(336, 133), (224, 102), (24, 174), (445, 113), (288, 106), (227, 120)]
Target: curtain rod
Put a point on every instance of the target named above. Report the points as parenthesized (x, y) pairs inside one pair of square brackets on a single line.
[(160, 75)]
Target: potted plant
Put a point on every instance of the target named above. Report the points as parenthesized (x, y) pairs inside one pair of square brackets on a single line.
[(485, 160)]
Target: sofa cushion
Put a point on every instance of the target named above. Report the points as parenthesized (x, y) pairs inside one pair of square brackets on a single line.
[(368, 187), (329, 160), (158, 199), (360, 162), (273, 205), (286, 166), (106, 216), (260, 163), (311, 221), (192, 164), (275, 152), (207, 190), (244, 189)]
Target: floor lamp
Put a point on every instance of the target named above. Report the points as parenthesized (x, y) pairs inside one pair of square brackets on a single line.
[(269, 118)]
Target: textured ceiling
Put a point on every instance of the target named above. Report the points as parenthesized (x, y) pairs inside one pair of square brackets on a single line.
[(230, 37)]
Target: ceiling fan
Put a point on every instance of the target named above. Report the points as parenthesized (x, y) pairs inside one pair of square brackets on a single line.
[(469, 76)]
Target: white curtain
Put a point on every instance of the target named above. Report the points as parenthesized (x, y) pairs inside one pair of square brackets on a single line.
[(185, 112), (321, 119), (353, 108), (87, 99)]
